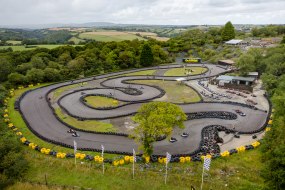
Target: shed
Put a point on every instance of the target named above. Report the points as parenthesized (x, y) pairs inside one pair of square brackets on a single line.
[(236, 42), (227, 62)]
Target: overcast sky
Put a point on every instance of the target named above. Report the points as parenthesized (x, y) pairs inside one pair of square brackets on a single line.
[(184, 12)]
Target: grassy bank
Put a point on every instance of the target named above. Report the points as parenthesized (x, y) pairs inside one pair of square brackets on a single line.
[(239, 171)]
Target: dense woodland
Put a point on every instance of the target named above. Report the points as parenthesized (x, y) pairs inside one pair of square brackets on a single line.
[(270, 63), (67, 62), (32, 37), (208, 45)]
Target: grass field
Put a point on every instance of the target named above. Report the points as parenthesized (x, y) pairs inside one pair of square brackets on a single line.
[(100, 101), (91, 125), (14, 42), (76, 40), (184, 72), (150, 35), (237, 172), (23, 48), (175, 92), (107, 36)]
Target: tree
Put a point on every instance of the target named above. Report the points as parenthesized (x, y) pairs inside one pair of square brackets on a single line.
[(283, 40), (246, 64), (16, 79), (126, 59), (35, 75), (146, 58), (6, 68), (156, 119), (51, 75), (273, 146), (38, 62), (76, 66), (13, 164), (228, 32)]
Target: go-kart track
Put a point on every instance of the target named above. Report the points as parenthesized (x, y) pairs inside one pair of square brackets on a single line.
[(38, 112)]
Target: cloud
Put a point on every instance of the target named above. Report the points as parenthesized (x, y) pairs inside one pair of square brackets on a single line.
[(187, 12)]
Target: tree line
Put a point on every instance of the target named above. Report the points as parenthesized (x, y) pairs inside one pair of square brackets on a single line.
[(270, 63), (68, 62)]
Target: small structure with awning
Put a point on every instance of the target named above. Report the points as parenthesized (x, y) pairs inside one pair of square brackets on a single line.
[(180, 80), (235, 80)]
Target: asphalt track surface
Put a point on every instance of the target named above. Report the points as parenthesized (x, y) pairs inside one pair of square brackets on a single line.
[(39, 115)]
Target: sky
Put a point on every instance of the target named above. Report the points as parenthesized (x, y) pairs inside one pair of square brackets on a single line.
[(159, 12)]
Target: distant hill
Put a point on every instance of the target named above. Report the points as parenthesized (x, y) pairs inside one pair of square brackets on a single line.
[(41, 26)]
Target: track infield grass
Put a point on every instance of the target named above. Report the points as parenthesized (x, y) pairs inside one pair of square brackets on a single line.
[(175, 92), (91, 125), (184, 71), (101, 102)]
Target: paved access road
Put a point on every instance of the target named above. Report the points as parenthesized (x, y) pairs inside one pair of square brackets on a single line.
[(39, 115)]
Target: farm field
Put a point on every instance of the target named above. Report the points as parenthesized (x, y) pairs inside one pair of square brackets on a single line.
[(151, 35), (107, 36), (14, 42), (76, 40), (23, 48)]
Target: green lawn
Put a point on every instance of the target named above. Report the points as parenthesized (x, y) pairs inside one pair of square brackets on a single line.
[(184, 72), (175, 92), (237, 172), (91, 125), (100, 101)]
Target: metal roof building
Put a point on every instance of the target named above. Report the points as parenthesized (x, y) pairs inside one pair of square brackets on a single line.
[(235, 80)]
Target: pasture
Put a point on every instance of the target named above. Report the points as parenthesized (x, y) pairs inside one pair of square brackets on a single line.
[(107, 36)]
